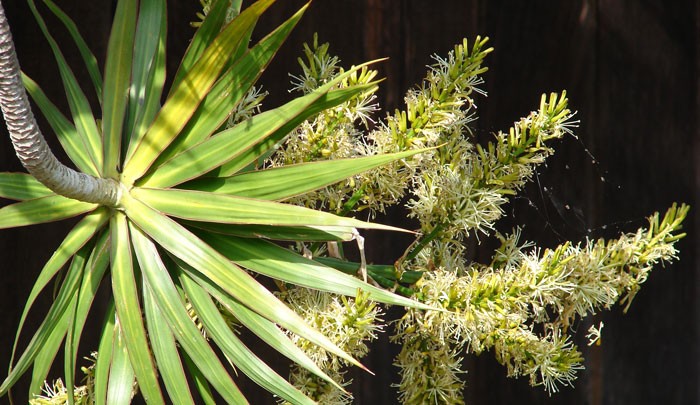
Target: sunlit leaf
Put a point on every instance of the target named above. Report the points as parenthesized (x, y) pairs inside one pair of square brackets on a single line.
[(74, 145), (173, 309), (239, 284), (83, 117), (188, 94), (120, 387), (229, 90), (128, 308), (40, 210), (165, 350), (277, 262), (212, 207), (238, 353), (287, 181), (117, 80), (21, 186), (266, 330)]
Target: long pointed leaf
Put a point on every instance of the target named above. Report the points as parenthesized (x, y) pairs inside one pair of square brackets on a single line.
[(239, 146), (277, 262), (289, 233), (212, 207), (148, 71), (229, 90), (187, 96), (238, 353), (236, 282), (72, 319), (65, 298), (41, 210), (83, 117), (161, 286), (266, 330), (121, 372), (210, 28), (129, 310), (104, 356), (165, 351), (288, 181), (65, 131), (87, 55), (22, 186), (74, 241), (117, 77), (95, 269)]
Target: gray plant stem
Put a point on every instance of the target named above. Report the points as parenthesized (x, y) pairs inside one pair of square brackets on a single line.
[(30, 145)]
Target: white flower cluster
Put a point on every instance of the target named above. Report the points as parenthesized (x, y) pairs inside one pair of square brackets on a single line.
[(520, 305)]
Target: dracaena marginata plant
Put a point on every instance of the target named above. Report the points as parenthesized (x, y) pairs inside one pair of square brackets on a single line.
[(181, 200), (154, 222)]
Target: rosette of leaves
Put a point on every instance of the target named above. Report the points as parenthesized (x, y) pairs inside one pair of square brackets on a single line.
[(175, 215)]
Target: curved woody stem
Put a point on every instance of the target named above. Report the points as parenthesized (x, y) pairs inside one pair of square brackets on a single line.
[(29, 143)]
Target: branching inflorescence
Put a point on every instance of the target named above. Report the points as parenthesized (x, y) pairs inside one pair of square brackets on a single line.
[(522, 304)]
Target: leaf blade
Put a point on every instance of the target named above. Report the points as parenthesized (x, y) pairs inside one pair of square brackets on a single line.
[(116, 87), (72, 142), (239, 284), (212, 207), (237, 352), (40, 210), (22, 187), (83, 117), (277, 262), (297, 179), (185, 98), (176, 315), (230, 89), (128, 309)]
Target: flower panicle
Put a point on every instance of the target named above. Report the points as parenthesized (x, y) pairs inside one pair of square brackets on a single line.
[(499, 306)]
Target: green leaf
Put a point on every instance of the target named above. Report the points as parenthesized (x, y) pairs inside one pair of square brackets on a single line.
[(117, 78), (21, 186), (40, 210), (282, 264), (235, 281), (212, 207), (165, 350), (229, 90), (128, 309), (72, 143), (239, 146), (289, 233), (189, 93), (83, 118), (148, 71), (200, 381), (104, 356), (160, 284), (287, 181), (121, 372), (95, 269), (326, 101), (266, 330), (203, 37), (74, 241), (237, 352), (65, 299), (87, 55)]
